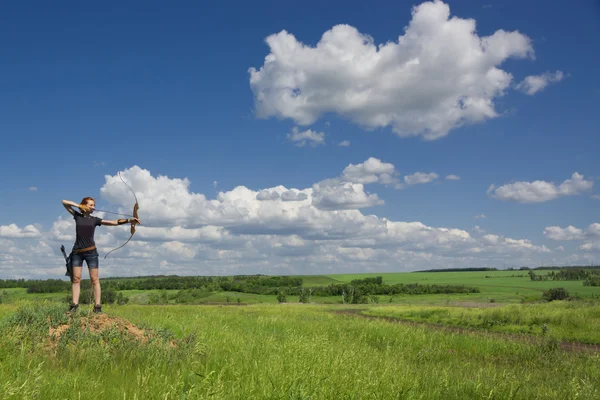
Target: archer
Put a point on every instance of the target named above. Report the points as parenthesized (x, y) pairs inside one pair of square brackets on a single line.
[(84, 248)]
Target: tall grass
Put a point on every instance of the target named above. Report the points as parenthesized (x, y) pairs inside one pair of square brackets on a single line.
[(280, 352)]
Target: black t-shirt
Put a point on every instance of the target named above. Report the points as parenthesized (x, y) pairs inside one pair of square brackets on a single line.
[(85, 228)]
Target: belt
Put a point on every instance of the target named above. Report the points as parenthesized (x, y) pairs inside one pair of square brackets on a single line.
[(84, 250)]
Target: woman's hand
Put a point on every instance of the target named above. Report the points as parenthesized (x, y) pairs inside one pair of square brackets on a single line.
[(136, 220), (85, 208)]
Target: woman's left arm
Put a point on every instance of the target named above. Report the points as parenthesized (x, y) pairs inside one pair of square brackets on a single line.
[(120, 221)]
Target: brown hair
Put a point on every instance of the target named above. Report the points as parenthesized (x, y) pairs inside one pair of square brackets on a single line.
[(84, 202)]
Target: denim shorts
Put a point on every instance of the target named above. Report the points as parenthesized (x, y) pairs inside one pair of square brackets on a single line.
[(90, 257)]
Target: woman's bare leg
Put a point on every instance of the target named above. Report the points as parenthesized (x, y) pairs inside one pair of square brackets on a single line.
[(95, 285), (75, 285)]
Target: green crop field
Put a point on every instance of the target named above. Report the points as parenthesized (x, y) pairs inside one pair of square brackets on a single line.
[(510, 286), (505, 342)]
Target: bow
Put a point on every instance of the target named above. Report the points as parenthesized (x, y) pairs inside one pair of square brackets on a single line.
[(135, 215)]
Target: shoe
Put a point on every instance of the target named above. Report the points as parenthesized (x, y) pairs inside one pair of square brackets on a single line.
[(74, 308), (98, 309)]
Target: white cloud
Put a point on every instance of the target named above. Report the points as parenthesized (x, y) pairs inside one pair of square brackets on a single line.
[(590, 246), (596, 196), (558, 233), (420, 178), (266, 195), (334, 195), (293, 195), (453, 177), (13, 231), (535, 83), (593, 230), (344, 143), (480, 216), (371, 171), (540, 191), (590, 236), (438, 75), (215, 183), (272, 230), (307, 137), (477, 229), (33, 189)]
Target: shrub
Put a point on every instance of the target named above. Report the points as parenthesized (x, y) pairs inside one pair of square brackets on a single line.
[(556, 294), (304, 296), (281, 297), (121, 299)]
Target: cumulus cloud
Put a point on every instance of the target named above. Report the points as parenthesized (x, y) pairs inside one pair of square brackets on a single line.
[(344, 143), (480, 216), (334, 195), (535, 83), (13, 231), (266, 195), (438, 75), (590, 235), (293, 195), (271, 230), (453, 177), (33, 189), (558, 233), (307, 137), (540, 191), (590, 246), (372, 170), (419, 178)]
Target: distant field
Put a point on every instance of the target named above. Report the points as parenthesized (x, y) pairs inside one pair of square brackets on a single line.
[(318, 280), (501, 285)]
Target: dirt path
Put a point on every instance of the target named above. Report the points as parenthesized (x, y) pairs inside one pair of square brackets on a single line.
[(564, 345)]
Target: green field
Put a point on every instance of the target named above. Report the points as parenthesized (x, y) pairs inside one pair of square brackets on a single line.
[(499, 285), (502, 343)]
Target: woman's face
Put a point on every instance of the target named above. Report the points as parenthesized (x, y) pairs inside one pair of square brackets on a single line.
[(91, 204)]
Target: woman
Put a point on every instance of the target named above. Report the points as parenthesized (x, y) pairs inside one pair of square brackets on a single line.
[(84, 248)]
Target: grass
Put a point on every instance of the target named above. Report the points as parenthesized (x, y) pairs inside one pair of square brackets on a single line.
[(81, 363), (268, 351), (577, 321), (318, 280), (501, 283)]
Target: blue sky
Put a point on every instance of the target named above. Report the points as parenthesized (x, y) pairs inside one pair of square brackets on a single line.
[(93, 89)]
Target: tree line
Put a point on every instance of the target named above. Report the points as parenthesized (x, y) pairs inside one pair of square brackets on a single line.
[(590, 276), (256, 284)]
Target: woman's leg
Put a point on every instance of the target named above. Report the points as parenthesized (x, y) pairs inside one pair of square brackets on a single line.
[(75, 284), (94, 277)]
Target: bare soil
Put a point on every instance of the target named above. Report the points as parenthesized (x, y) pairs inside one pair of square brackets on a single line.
[(97, 323)]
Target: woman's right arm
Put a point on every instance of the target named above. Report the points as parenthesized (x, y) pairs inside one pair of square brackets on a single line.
[(68, 204)]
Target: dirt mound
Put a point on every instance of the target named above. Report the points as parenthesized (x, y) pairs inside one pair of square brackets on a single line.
[(98, 323)]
